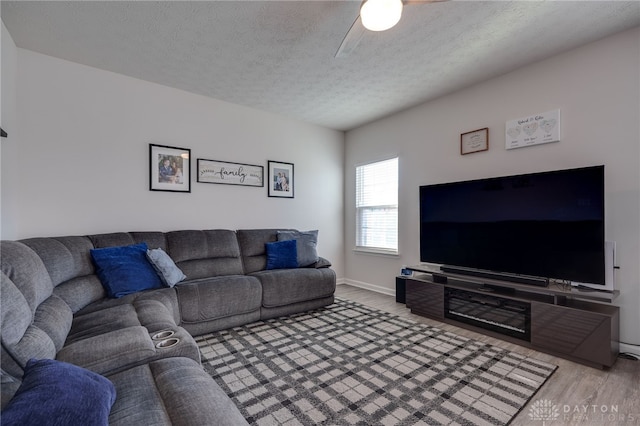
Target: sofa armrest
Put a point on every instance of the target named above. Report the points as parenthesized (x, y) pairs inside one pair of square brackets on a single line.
[(117, 350), (321, 263)]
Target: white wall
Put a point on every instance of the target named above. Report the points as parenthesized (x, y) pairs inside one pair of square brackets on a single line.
[(81, 164), (8, 65), (597, 89)]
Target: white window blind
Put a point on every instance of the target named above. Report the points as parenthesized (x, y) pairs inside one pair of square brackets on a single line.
[(377, 206)]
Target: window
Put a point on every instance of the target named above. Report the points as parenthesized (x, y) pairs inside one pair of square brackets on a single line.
[(377, 206)]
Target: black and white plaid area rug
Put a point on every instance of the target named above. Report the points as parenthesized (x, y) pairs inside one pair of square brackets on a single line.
[(348, 364)]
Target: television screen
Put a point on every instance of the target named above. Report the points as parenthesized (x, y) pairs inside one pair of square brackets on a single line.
[(548, 224)]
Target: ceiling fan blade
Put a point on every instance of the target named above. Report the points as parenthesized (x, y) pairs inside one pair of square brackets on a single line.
[(352, 39), (357, 30)]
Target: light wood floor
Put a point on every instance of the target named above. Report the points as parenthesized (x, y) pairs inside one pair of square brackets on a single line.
[(582, 395)]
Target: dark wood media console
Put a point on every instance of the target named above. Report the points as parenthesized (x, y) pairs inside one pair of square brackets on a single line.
[(560, 321)]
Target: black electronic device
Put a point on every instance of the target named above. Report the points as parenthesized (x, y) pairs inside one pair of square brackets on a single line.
[(546, 225), (439, 278), (505, 316)]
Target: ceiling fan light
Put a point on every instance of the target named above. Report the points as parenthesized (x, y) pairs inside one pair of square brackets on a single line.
[(380, 15)]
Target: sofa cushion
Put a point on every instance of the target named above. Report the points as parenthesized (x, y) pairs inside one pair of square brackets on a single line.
[(114, 239), (125, 270), (25, 269), (282, 254), (54, 392), (204, 254), (111, 351), (218, 297), (152, 239), (64, 257), (27, 335), (102, 321), (307, 243), (68, 261), (166, 296), (286, 286), (10, 385), (118, 337), (167, 270), (151, 313), (171, 391)]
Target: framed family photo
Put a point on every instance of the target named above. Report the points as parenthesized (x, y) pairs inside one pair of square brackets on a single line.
[(280, 179), (169, 168)]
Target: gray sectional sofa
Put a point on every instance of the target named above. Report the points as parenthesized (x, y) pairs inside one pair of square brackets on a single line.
[(54, 306)]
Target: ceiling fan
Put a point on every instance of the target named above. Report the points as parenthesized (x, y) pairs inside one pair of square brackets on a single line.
[(375, 15)]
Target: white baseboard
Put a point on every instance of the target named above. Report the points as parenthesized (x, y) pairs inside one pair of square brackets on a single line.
[(367, 286), (632, 349)]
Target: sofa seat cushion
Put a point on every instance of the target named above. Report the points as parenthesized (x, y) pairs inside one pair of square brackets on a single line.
[(167, 296), (286, 286), (149, 312), (171, 391), (112, 351), (53, 391), (218, 297), (101, 322)]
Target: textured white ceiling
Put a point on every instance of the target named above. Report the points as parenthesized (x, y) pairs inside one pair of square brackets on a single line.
[(278, 56)]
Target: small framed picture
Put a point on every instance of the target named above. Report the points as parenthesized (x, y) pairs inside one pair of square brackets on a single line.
[(280, 179), (169, 168), (475, 141)]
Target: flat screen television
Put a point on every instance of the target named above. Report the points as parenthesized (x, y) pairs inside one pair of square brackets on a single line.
[(548, 225)]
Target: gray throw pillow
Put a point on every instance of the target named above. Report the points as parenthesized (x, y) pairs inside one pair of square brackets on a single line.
[(169, 273), (306, 243)]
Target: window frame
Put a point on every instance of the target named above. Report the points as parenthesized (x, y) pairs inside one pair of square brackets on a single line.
[(358, 211)]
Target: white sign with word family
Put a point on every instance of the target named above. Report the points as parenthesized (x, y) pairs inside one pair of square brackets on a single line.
[(533, 130)]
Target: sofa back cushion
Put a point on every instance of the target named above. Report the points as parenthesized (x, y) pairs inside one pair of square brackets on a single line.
[(154, 240), (113, 239), (252, 246), (9, 386), (204, 254), (26, 271), (35, 322), (70, 268)]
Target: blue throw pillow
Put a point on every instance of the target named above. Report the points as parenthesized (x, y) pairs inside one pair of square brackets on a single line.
[(282, 255), (56, 393), (125, 270)]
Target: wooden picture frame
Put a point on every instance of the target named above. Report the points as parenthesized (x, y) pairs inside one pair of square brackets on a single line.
[(474, 141), (281, 179), (228, 173), (169, 168)]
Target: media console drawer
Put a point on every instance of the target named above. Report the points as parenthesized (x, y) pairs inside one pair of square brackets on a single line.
[(426, 300), (579, 333)]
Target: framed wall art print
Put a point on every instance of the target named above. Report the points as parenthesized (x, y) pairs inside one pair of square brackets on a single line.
[(169, 168), (280, 179), (212, 171), (475, 141)]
